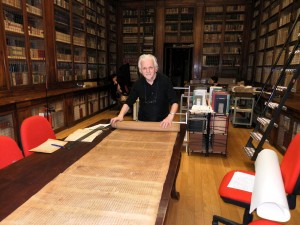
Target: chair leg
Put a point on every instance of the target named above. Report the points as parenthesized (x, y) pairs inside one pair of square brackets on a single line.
[(247, 218), (217, 219)]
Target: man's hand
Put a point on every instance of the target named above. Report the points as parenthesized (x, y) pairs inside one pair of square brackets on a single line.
[(116, 119), (167, 121)]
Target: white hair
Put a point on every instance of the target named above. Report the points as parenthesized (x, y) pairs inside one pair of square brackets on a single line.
[(147, 56)]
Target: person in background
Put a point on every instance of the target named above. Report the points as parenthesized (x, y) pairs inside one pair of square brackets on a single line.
[(214, 80), (116, 90), (157, 98)]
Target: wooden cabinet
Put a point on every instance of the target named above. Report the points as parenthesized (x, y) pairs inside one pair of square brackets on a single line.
[(88, 103), (55, 114), (223, 34), (7, 125), (270, 42), (65, 108)]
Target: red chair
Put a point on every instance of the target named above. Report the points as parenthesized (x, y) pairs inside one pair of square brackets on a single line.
[(290, 169), (35, 130), (9, 151), (264, 222), (217, 219)]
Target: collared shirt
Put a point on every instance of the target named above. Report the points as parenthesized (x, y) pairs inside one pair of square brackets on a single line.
[(154, 100)]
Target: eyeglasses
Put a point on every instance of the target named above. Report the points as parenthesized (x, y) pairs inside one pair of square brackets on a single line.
[(151, 68)]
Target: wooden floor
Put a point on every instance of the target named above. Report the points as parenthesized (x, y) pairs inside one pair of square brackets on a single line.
[(199, 177)]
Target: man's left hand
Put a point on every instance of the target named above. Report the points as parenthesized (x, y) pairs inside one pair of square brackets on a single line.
[(167, 121)]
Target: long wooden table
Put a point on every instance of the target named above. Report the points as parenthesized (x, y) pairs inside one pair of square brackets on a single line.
[(23, 179)]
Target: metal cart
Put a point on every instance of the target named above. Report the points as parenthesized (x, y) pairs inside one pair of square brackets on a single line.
[(242, 109)]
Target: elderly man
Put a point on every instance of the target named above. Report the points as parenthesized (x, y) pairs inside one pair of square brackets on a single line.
[(157, 98)]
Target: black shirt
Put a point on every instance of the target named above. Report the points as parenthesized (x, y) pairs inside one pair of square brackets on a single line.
[(154, 100)]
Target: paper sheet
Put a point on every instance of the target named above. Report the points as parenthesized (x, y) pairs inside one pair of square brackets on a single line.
[(269, 197), (81, 132), (98, 126), (242, 181), (49, 146), (198, 109)]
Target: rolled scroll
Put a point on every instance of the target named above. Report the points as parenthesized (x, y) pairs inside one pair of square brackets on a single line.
[(145, 126)]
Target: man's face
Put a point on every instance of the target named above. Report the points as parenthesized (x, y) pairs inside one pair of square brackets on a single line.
[(148, 70)]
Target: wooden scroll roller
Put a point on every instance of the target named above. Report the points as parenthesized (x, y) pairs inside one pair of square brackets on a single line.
[(145, 126)]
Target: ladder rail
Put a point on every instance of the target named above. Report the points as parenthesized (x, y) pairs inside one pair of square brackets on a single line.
[(277, 112), (282, 74), (281, 102), (281, 77)]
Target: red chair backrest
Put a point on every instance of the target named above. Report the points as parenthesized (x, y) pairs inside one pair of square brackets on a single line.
[(290, 165), (35, 130), (9, 151)]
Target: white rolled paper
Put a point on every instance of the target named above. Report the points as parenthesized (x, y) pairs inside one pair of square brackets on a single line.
[(268, 196)]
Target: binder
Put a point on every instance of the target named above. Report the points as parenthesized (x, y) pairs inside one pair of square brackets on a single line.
[(220, 102)]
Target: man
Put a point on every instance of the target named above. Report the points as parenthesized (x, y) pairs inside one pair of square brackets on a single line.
[(116, 90), (155, 93)]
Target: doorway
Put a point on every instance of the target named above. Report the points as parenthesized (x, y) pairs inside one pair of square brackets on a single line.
[(178, 64)]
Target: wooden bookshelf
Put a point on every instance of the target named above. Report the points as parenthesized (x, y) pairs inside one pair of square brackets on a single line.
[(49, 54), (112, 37), (138, 36), (25, 42), (7, 126), (179, 25), (223, 34)]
